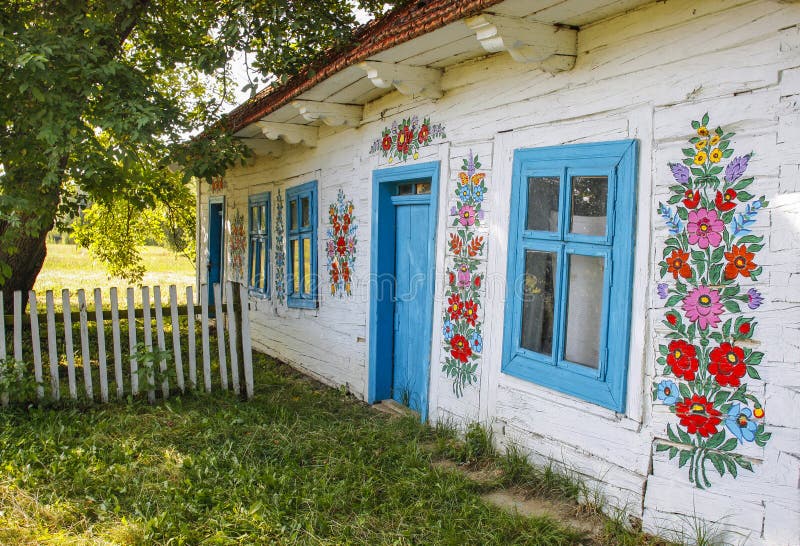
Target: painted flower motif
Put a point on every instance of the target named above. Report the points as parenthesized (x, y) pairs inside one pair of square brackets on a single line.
[(466, 215), (465, 192), (691, 200), (471, 312), (745, 328), (448, 330), (678, 264), (672, 318), (705, 228), (725, 201), (404, 136), (456, 307), (701, 144), (703, 131), (758, 412), (335, 272), (346, 272), (740, 262), (714, 140), (754, 299), (386, 143), (464, 276), (698, 415), (460, 348), (341, 245), (477, 194), (662, 290), (727, 365), (477, 281), (668, 392), (736, 168), (715, 156), (680, 172), (682, 358), (451, 278), (739, 421), (476, 343), (456, 244), (424, 133), (703, 307), (700, 158)]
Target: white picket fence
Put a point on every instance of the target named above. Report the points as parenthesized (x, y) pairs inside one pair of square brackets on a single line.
[(224, 319)]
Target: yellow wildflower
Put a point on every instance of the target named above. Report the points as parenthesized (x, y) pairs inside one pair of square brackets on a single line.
[(703, 131), (700, 158), (715, 156), (714, 140), (701, 144)]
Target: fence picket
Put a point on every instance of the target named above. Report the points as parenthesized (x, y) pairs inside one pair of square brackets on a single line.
[(148, 343), (36, 344), (132, 343), (52, 347), (115, 336), (176, 336), (219, 317), (85, 355), (161, 342), (68, 343), (101, 344), (247, 349), (233, 338), (192, 347), (17, 325), (204, 333), (3, 355)]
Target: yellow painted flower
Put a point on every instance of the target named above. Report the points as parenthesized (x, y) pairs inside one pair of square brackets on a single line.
[(714, 140), (700, 158), (715, 156), (416, 155), (758, 412), (703, 131), (701, 144)]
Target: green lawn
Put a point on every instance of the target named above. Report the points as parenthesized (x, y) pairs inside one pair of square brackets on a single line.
[(299, 464)]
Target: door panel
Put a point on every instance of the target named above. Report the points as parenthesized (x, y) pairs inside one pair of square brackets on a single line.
[(411, 354), (215, 245)]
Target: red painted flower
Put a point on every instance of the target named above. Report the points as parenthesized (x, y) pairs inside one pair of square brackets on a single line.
[(404, 137), (341, 245), (672, 318), (459, 348), (456, 307), (424, 132), (678, 264), (471, 312), (745, 328), (477, 280), (335, 272), (740, 262), (727, 364), (451, 278), (682, 358), (337, 227), (346, 272), (725, 202), (346, 223), (698, 415), (455, 244), (387, 143), (691, 200)]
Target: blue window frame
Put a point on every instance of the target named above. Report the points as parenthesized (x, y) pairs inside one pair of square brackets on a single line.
[(301, 245), (570, 269), (259, 228)]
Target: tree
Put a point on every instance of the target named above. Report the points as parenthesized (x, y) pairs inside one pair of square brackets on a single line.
[(98, 96)]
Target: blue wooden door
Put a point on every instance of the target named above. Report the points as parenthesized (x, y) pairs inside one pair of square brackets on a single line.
[(412, 272), (215, 241)]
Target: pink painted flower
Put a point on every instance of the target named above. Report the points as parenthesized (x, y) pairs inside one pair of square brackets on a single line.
[(466, 215), (464, 277), (703, 307), (705, 228)]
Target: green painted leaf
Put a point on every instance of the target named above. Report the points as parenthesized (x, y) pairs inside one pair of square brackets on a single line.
[(662, 447), (671, 435), (732, 306), (685, 392), (672, 452), (755, 358), (684, 458), (743, 183), (752, 372), (730, 445), (744, 463), (716, 460), (716, 440)]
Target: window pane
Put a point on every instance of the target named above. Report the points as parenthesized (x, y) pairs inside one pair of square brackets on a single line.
[(253, 262), (543, 203), (589, 198), (293, 214), (305, 211), (584, 309), (263, 265), (307, 266), (253, 219), (263, 222), (537, 302), (423, 188), (405, 189), (295, 251)]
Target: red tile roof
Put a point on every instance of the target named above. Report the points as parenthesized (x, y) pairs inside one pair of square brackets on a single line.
[(396, 27)]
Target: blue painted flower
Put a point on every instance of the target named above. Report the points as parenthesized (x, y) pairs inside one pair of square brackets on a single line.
[(754, 299), (739, 421), (448, 331), (477, 193), (662, 290), (680, 172), (465, 192), (476, 343), (668, 392)]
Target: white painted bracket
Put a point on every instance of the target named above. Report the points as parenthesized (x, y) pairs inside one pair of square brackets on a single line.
[(263, 147), (408, 80), (330, 113), (291, 133), (551, 47)]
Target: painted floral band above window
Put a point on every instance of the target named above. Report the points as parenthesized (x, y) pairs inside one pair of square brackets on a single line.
[(403, 140)]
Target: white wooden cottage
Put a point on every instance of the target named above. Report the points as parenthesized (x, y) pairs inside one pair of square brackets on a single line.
[(577, 221)]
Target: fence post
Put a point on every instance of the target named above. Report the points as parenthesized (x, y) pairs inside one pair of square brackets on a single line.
[(132, 342), (247, 349), (220, 322), (176, 336), (162, 345), (85, 356), (101, 343), (233, 338), (36, 344), (204, 332), (192, 342), (70, 347), (18, 325), (148, 342), (115, 335)]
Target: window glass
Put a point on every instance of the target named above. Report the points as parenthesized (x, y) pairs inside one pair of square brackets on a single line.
[(263, 265), (293, 214), (423, 188), (538, 302), (589, 200), (543, 203), (253, 261), (263, 217), (305, 212), (405, 189), (584, 309), (307, 266), (295, 249)]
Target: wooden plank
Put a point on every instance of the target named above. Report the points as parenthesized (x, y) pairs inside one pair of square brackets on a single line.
[(18, 325), (247, 348), (101, 344), (90, 312), (233, 338), (176, 336), (36, 345), (204, 333), (132, 343), (192, 347), (52, 347), (220, 320), (115, 335), (148, 343), (68, 343), (161, 341), (85, 356)]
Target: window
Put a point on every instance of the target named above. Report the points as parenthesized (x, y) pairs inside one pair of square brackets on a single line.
[(301, 238), (567, 316), (258, 234)]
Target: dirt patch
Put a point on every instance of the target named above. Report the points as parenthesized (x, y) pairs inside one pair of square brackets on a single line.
[(482, 476), (514, 500)]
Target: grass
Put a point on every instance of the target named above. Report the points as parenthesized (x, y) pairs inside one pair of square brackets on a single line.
[(299, 464)]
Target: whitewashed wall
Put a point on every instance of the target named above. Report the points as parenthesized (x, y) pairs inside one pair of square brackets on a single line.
[(645, 75)]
